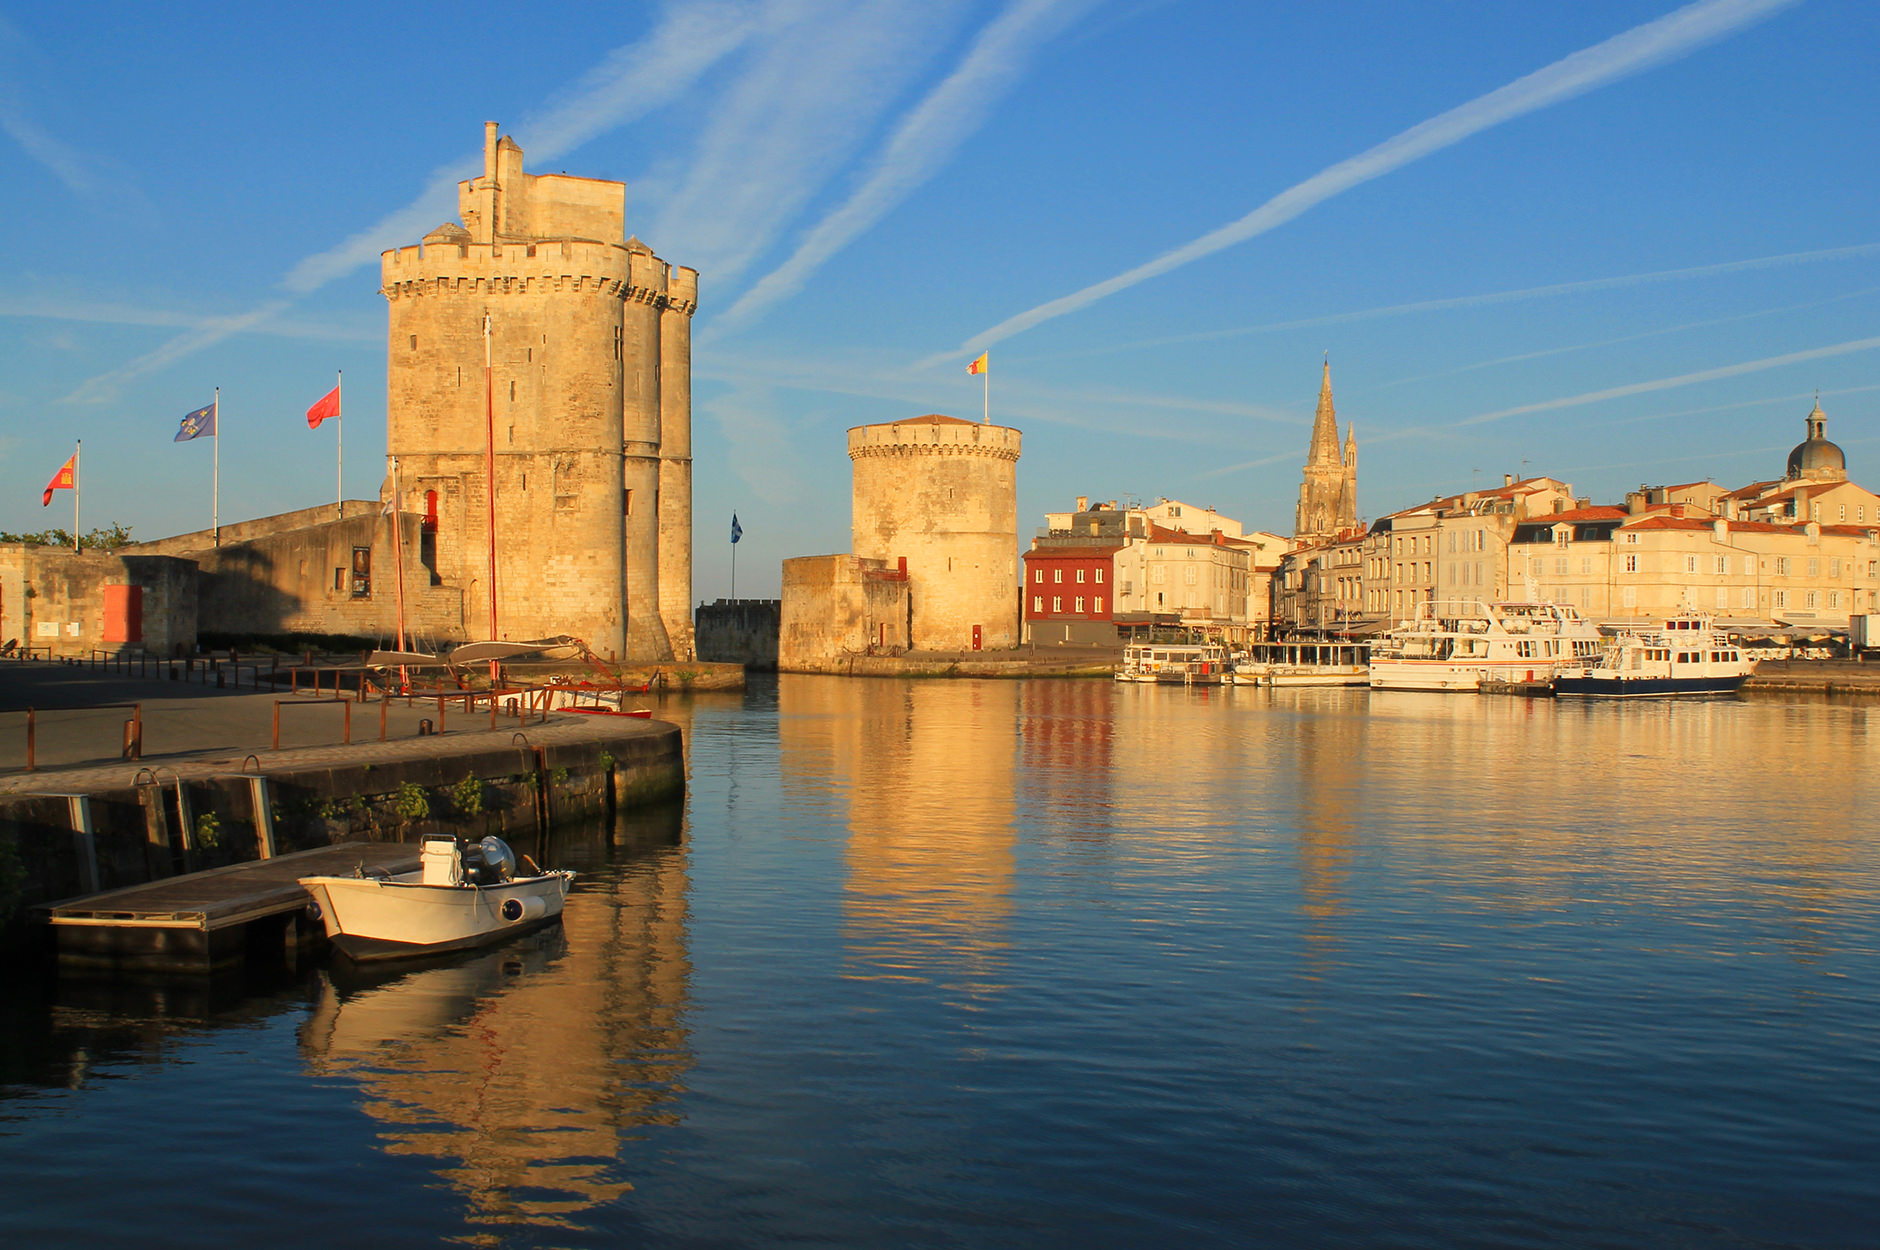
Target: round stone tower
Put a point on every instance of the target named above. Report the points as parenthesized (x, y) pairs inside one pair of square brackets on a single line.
[(586, 337), (941, 493)]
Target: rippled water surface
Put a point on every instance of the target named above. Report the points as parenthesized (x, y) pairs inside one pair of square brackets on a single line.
[(1064, 963)]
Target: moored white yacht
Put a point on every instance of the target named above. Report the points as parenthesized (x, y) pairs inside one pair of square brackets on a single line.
[(1459, 644), (1685, 655)]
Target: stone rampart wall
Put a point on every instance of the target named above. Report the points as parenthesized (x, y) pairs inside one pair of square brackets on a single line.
[(740, 631)]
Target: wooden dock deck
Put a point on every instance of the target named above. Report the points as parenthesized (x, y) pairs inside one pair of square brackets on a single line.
[(204, 921)]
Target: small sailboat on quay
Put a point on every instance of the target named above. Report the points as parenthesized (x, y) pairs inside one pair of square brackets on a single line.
[(463, 894), (1685, 655)]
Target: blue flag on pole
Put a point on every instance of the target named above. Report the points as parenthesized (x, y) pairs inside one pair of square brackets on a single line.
[(196, 425), (737, 531)]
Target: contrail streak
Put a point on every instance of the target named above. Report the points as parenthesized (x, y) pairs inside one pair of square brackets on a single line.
[(1641, 48), (1485, 298), (930, 133), (1682, 379)]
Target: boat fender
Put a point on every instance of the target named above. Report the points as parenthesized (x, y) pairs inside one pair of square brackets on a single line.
[(533, 907)]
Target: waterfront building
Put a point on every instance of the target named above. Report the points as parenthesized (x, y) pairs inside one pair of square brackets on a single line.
[(537, 325), (1166, 565), (1801, 549), (586, 335), (934, 565), (1328, 493)]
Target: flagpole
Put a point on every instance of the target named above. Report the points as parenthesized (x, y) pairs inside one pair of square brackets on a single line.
[(987, 378), (215, 470), (398, 564), (489, 468), (78, 544), (339, 475), (734, 570)]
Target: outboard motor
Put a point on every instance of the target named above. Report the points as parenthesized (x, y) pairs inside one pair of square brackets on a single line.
[(498, 858)]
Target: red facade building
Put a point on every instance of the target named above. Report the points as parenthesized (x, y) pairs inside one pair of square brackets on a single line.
[(1069, 594)]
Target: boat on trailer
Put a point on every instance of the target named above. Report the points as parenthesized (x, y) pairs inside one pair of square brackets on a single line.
[(463, 894), (1686, 655)]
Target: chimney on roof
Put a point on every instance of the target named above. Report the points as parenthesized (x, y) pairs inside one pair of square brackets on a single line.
[(1507, 479), (1635, 500), (1586, 502), (1560, 505), (1083, 503)]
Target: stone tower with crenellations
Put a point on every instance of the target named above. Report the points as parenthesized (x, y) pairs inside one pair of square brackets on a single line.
[(941, 493), (587, 337), (1328, 497)]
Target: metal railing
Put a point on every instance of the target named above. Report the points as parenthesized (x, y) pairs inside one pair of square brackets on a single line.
[(133, 728)]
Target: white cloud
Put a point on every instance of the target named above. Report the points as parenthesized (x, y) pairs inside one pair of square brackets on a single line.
[(925, 139), (1632, 52), (808, 97), (629, 83), (106, 386)]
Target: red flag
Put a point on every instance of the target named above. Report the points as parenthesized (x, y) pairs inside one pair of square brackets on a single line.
[(327, 407), (65, 479)]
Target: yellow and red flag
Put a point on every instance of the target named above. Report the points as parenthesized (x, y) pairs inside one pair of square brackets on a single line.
[(327, 407), (65, 479), (979, 366)]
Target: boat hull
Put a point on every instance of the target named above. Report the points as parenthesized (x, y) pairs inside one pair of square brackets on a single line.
[(391, 918), (1646, 687)]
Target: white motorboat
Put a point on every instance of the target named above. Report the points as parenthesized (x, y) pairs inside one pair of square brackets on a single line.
[(462, 894), (1303, 664), (1458, 645), (1686, 655), (1176, 663)]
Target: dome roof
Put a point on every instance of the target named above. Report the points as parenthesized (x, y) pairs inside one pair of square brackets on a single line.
[(1815, 456)]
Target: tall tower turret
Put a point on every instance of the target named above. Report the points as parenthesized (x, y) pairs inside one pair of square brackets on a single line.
[(589, 358), (1328, 495)]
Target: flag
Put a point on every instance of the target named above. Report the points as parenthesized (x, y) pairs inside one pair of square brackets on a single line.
[(737, 531), (979, 366), (196, 424), (327, 407), (65, 479)]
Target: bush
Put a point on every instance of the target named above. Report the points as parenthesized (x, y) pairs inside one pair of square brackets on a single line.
[(467, 795), (412, 803)]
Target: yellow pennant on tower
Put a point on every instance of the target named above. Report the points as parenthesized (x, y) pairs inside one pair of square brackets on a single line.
[(979, 367)]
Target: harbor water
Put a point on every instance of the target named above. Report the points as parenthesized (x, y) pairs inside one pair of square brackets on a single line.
[(1062, 963)]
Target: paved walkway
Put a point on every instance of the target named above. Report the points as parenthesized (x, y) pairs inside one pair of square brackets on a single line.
[(202, 732)]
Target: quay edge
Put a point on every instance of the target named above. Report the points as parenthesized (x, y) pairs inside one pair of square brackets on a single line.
[(83, 831)]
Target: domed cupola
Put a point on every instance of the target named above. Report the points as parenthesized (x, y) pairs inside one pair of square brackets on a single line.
[(1815, 457)]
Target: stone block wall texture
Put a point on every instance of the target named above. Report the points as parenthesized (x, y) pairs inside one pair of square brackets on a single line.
[(740, 631), (55, 598), (942, 493), (588, 356), (294, 574), (840, 606)]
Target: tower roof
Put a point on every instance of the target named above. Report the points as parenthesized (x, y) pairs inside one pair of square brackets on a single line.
[(1324, 424), (1815, 456)]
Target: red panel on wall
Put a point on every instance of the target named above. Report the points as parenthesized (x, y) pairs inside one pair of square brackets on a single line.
[(123, 613)]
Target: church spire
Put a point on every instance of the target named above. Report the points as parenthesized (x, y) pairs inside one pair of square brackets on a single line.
[(1324, 448)]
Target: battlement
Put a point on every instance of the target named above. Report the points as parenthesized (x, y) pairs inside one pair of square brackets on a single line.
[(559, 265), (934, 435)]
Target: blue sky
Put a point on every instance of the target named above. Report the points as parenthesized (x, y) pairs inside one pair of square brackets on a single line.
[(1612, 242)]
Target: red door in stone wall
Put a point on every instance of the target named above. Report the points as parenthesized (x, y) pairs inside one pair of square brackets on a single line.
[(123, 613)]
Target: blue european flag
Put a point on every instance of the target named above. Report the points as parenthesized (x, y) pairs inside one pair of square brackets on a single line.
[(197, 424), (737, 531)]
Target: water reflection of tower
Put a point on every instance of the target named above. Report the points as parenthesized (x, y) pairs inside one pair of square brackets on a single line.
[(521, 1070), (1330, 765), (927, 768)]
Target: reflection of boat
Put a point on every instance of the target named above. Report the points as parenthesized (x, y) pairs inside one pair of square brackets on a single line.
[(1303, 664), (1687, 655), (1458, 645), (1176, 663), (463, 894)]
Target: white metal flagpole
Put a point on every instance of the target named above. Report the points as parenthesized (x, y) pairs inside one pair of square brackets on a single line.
[(987, 375), (339, 477), (215, 469), (78, 481)]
